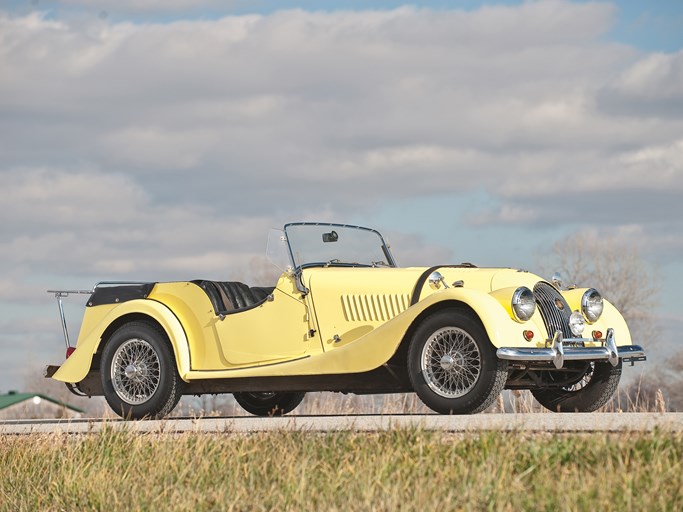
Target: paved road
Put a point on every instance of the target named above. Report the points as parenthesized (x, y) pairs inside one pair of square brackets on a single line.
[(540, 422)]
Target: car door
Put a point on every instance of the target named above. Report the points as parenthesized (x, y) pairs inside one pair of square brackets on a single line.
[(274, 331), (351, 302)]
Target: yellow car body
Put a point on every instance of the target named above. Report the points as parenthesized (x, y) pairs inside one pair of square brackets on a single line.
[(326, 326)]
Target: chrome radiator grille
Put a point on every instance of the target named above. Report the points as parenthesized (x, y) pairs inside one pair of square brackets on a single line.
[(555, 318)]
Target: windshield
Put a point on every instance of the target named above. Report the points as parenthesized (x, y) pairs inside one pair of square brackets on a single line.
[(316, 244)]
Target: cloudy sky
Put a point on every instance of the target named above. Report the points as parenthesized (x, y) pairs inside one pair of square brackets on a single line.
[(161, 139)]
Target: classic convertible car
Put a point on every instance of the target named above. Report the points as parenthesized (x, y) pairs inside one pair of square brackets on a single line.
[(344, 317)]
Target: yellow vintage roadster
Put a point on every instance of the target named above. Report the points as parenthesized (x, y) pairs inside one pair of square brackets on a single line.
[(345, 317)]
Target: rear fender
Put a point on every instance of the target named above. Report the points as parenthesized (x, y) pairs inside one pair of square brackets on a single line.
[(77, 366)]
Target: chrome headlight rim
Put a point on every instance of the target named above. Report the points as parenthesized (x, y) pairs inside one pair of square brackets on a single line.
[(523, 304), (592, 305)]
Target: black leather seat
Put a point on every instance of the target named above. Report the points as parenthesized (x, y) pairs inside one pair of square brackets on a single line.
[(231, 296)]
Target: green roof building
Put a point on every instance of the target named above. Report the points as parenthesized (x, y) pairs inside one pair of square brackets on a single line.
[(16, 405)]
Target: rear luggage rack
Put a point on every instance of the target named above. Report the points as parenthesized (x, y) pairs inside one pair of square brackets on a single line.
[(61, 294)]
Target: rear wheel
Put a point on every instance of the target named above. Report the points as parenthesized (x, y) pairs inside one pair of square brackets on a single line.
[(588, 394), (452, 365), (269, 403), (138, 372)]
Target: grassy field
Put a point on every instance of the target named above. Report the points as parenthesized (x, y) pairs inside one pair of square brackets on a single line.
[(396, 470)]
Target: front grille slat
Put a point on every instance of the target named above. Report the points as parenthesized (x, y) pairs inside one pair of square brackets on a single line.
[(554, 318)]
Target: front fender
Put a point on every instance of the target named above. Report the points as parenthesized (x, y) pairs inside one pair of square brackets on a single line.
[(502, 330), (76, 367), (611, 317)]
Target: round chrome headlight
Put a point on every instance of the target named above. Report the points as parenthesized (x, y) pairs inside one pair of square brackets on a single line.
[(577, 323), (591, 305), (523, 304)]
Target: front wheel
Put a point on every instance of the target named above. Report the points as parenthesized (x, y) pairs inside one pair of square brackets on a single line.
[(269, 403), (453, 366), (588, 394), (138, 372)]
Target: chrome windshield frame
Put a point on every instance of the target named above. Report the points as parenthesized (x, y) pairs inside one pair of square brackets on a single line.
[(298, 267)]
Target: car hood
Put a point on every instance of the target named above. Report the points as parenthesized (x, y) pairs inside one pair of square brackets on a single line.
[(413, 281)]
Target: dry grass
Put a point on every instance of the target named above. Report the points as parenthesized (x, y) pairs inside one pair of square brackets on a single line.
[(395, 470), (313, 404), (628, 400)]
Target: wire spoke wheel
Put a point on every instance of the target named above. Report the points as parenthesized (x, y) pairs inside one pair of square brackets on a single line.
[(269, 403), (451, 362), (593, 390), (135, 371), (138, 372), (452, 365), (583, 381), (263, 396)]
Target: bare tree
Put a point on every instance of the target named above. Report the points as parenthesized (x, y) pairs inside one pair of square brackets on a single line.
[(624, 278), (617, 270), (669, 378)]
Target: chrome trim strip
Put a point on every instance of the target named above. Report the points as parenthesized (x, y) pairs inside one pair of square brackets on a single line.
[(385, 247), (63, 317), (118, 283), (65, 293), (611, 346), (59, 295), (558, 350)]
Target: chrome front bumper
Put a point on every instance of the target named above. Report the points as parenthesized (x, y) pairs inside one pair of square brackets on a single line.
[(558, 353)]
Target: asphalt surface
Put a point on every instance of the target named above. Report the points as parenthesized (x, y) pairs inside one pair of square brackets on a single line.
[(539, 422)]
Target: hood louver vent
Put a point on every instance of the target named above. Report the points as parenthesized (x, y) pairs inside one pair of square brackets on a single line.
[(373, 308)]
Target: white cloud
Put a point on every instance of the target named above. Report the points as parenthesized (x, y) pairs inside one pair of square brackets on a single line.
[(662, 163), (157, 148), (246, 111), (40, 199), (506, 214), (650, 87), (96, 224), (657, 76), (414, 250)]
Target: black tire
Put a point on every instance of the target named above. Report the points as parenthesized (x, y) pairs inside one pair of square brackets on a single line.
[(590, 393), (452, 364), (269, 403), (139, 374)]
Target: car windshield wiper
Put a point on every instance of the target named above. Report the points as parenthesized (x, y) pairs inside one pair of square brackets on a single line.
[(336, 261), (380, 264)]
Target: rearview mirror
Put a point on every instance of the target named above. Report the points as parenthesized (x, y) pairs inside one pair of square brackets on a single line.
[(332, 236)]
